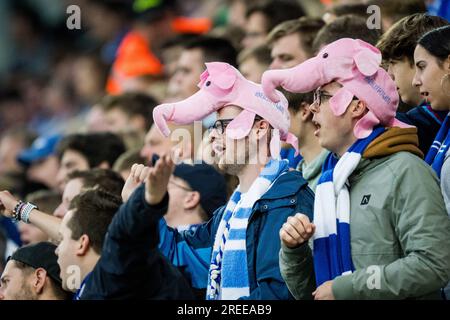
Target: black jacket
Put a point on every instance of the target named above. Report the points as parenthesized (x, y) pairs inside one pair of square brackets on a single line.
[(131, 265)]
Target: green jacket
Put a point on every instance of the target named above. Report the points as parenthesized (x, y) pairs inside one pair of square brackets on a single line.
[(400, 239), (311, 171)]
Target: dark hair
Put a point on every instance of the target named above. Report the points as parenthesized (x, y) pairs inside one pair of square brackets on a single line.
[(93, 211), (348, 26), (95, 147), (401, 39), (398, 9), (341, 9), (46, 200), (105, 179), (437, 42), (58, 291), (118, 7), (307, 27), (295, 100), (178, 40), (132, 104), (214, 49), (276, 11)]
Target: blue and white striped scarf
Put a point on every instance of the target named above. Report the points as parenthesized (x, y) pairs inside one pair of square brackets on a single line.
[(228, 273), (332, 254), (436, 155)]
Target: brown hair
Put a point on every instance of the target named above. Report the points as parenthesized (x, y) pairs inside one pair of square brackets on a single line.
[(132, 104), (308, 27), (295, 100), (348, 26), (400, 40), (93, 211), (105, 179), (341, 9), (397, 9), (276, 11), (95, 147)]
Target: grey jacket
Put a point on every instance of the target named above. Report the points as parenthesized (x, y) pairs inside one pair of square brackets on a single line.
[(401, 236)]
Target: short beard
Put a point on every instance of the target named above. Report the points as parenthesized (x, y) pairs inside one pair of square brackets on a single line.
[(234, 166), (26, 292)]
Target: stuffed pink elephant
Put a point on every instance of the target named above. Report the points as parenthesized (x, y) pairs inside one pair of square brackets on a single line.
[(221, 85), (354, 64)]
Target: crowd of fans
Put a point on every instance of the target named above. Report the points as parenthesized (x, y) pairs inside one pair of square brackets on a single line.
[(120, 171)]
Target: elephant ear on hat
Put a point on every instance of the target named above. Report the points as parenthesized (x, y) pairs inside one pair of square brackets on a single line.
[(367, 59), (220, 74)]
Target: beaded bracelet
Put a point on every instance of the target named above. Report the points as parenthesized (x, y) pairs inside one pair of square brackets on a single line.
[(17, 209)]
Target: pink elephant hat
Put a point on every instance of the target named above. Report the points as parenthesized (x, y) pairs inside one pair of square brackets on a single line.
[(223, 85), (354, 64)]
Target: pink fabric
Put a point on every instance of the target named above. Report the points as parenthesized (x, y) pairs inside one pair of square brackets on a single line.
[(354, 64), (221, 85)]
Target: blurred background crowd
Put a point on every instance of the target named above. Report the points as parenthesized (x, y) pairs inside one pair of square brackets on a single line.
[(77, 99)]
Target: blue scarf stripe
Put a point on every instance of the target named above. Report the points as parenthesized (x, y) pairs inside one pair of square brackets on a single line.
[(332, 251), (242, 214), (236, 234), (238, 256), (228, 274), (436, 155)]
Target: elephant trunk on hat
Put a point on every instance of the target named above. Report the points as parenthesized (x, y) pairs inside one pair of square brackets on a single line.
[(222, 85), (355, 65)]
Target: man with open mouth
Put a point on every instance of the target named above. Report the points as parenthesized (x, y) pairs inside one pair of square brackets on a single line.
[(376, 198)]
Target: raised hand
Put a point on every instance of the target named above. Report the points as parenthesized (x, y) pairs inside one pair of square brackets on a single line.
[(138, 175), (158, 178)]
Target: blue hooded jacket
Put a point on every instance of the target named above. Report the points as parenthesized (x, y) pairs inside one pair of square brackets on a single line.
[(191, 250)]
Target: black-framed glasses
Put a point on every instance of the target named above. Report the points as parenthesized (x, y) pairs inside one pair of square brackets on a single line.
[(319, 95), (221, 124), (318, 98)]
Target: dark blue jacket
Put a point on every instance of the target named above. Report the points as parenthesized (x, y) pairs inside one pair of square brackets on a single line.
[(131, 266), (192, 249), (427, 121)]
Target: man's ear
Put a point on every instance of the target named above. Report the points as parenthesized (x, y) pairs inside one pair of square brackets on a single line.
[(83, 245), (40, 276), (304, 112), (191, 200), (358, 109), (262, 129)]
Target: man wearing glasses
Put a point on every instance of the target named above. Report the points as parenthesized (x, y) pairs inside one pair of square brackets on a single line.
[(236, 251), (381, 229)]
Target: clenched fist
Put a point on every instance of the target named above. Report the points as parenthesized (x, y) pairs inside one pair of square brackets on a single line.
[(296, 230), (7, 203)]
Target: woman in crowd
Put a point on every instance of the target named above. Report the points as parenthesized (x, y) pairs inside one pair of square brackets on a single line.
[(432, 78)]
